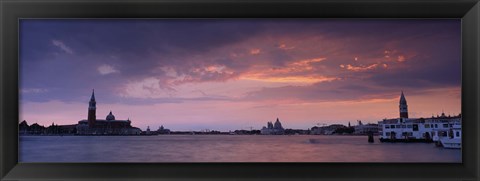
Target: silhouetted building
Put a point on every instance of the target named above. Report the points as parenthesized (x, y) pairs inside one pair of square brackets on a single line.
[(106, 126), (162, 130), (34, 129), (23, 127), (330, 129), (273, 129)]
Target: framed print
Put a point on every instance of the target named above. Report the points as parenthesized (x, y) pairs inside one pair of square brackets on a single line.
[(239, 90), (199, 90)]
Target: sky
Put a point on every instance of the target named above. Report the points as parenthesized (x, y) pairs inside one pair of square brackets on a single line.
[(230, 74)]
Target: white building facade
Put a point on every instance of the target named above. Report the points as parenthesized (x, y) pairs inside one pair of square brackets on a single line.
[(406, 129)]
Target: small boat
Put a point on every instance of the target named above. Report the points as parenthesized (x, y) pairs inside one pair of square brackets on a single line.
[(454, 140), (451, 143)]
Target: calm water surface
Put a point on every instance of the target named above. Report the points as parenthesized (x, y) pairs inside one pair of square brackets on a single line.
[(226, 148)]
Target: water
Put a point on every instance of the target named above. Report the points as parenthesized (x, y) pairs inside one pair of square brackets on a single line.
[(226, 148)]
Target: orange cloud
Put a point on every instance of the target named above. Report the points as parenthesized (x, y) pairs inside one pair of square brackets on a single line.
[(361, 68), (401, 57), (288, 79), (294, 67), (284, 74), (307, 62)]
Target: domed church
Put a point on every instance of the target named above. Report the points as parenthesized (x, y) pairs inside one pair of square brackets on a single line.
[(107, 126), (110, 117), (273, 128)]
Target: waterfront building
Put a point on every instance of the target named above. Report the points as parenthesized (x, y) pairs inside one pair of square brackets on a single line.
[(107, 126), (273, 128), (328, 130), (362, 129), (417, 129)]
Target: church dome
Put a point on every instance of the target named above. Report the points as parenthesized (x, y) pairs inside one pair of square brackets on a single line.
[(277, 124), (110, 116)]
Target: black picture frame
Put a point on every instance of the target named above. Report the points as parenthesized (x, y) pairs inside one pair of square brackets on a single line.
[(12, 10)]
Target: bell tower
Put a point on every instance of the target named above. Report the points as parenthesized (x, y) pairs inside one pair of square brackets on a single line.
[(92, 109), (403, 107)]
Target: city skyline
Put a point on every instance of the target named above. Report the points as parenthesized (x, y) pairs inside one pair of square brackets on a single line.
[(234, 74)]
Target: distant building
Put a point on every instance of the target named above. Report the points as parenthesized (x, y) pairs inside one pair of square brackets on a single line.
[(54, 129), (296, 132), (162, 130), (273, 129), (362, 129), (23, 127), (107, 126), (61, 129), (148, 130), (327, 130)]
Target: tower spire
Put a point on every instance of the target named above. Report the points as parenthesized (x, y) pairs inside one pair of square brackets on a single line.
[(402, 98), (403, 106), (92, 109), (93, 95)]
